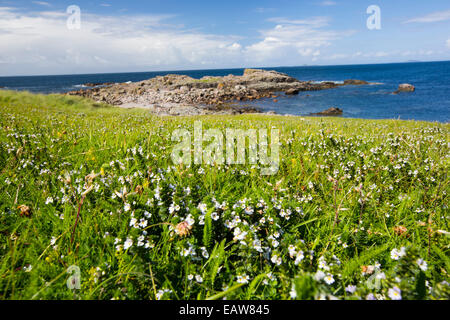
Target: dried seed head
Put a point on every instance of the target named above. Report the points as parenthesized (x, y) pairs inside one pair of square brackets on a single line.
[(24, 210), (183, 229), (400, 230), (139, 189)]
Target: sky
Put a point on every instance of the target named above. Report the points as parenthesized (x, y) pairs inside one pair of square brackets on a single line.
[(43, 37)]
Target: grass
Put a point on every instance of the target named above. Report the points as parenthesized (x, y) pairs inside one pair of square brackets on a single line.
[(358, 209)]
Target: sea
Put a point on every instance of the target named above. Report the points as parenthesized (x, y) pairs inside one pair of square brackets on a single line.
[(430, 101)]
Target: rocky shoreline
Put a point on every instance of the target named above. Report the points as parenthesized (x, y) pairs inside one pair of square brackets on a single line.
[(183, 96)]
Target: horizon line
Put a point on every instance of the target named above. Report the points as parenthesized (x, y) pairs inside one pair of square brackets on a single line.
[(232, 68)]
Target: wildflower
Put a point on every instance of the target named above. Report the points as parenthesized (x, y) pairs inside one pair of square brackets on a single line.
[(243, 279), (133, 222), (299, 258), (397, 254), (276, 259), (190, 277), (215, 216), (190, 220), (53, 241), (293, 292), (161, 293), (350, 289), (249, 211), (257, 245), (422, 264), (203, 208), (128, 243), (319, 275), (199, 278), (292, 251), (371, 297), (49, 200), (205, 253), (395, 293), (275, 243), (140, 241), (126, 207), (143, 223), (329, 279), (28, 268), (239, 235)]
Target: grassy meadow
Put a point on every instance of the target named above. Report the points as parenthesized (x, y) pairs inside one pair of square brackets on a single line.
[(357, 210)]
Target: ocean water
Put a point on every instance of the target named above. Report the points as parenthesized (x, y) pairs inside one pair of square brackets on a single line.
[(430, 102)]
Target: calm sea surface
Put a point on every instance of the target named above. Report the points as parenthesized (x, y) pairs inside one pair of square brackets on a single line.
[(430, 102)]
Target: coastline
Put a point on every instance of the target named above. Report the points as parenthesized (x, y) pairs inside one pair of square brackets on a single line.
[(183, 95)]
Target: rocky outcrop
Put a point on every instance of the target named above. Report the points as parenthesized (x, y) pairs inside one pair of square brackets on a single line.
[(329, 112), (355, 82), (405, 87), (208, 94)]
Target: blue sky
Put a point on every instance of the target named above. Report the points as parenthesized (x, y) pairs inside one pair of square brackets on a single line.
[(127, 36)]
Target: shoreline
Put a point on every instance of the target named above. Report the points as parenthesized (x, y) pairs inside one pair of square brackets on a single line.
[(178, 95)]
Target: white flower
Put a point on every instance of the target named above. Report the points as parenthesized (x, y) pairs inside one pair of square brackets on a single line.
[(249, 211), (299, 258), (370, 296), (292, 251), (276, 259), (126, 207), (395, 293), (257, 245), (143, 223), (190, 220), (28, 268), (319, 275), (199, 278), (275, 243), (202, 207), (128, 243), (215, 216), (190, 277), (350, 289), (53, 241), (243, 279), (422, 264), (239, 235), (133, 222), (49, 200), (329, 279), (397, 254), (205, 253), (293, 292)]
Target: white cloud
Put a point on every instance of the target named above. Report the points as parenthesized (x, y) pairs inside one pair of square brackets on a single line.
[(291, 40), (448, 43), (328, 3), (40, 43), (432, 17), (42, 3)]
